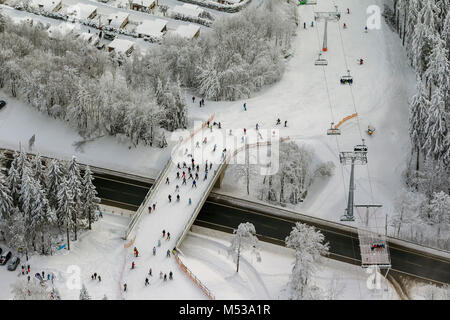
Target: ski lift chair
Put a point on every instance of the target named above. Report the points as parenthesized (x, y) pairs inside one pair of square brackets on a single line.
[(321, 61), (370, 130), (347, 79), (333, 131), (360, 147)]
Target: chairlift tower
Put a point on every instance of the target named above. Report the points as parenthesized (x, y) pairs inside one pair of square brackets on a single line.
[(357, 156), (327, 16)]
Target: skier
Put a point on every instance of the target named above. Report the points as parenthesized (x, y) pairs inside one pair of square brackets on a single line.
[(132, 265), (192, 161), (231, 132), (304, 25), (178, 166), (361, 61), (220, 126), (196, 176), (48, 276), (154, 251), (200, 103), (278, 121), (245, 106), (257, 127), (164, 233), (345, 26), (178, 197), (184, 174), (170, 275), (348, 11), (178, 175), (146, 281), (150, 272), (198, 168), (203, 102), (124, 287), (197, 145), (167, 180), (177, 188), (245, 131), (159, 243), (184, 164), (312, 23), (285, 123), (28, 277), (206, 176), (242, 141), (189, 170), (137, 253), (193, 99), (99, 278), (154, 206), (184, 181), (149, 209), (190, 176), (165, 277), (170, 198), (190, 201), (168, 235), (168, 253), (194, 184), (210, 165), (365, 29), (160, 274)]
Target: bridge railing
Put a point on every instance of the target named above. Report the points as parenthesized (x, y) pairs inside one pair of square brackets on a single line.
[(149, 194)]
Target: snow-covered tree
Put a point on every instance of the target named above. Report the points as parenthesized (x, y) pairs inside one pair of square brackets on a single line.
[(89, 196), (54, 177), (84, 295), (308, 245), (244, 238), (15, 232), (75, 186), (439, 211), (408, 205), (65, 208), (32, 290), (6, 201)]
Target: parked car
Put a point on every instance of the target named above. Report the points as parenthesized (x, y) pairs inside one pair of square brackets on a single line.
[(109, 35), (13, 264), (2, 104), (5, 257)]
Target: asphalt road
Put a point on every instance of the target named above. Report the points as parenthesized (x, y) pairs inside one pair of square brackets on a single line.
[(220, 215)]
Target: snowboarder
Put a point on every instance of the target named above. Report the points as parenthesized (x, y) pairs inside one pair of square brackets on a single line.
[(146, 281), (190, 201), (167, 180), (170, 275), (170, 198), (159, 243), (194, 184), (132, 265), (150, 272), (124, 287), (278, 121), (168, 253), (154, 251), (178, 197), (285, 123), (245, 106)]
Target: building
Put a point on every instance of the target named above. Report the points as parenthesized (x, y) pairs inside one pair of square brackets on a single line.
[(141, 5), (82, 11), (117, 20), (121, 46), (188, 9), (188, 31), (152, 28), (47, 5)]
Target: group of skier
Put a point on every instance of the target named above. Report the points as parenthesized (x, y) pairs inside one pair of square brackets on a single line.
[(95, 276), (200, 102)]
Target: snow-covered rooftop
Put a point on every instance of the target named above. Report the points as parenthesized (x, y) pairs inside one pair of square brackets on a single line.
[(61, 30), (188, 9), (121, 45), (81, 10), (46, 5), (117, 19), (144, 3), (187, 30), (151, 27)]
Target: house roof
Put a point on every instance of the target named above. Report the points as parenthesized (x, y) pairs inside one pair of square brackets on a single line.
[(152, 27), (81, 10), (47, 5), (117, 18), (187, 30), (144, 3), (188, 9), (121, 45), (61, 30)]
